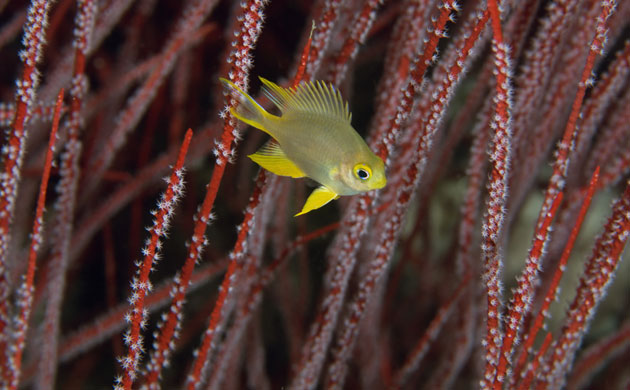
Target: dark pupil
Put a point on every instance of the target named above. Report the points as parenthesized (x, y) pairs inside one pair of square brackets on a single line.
[(362, 173)]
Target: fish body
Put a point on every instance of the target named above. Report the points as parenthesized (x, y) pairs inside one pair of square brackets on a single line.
[(313, 137)]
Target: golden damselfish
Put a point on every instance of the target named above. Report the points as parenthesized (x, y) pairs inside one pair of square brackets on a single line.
[(313, 138)]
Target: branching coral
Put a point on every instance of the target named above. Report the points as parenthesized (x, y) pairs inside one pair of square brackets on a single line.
[(466, 102)]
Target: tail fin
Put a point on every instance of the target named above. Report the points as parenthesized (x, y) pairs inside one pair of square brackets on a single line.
[(247, 110)]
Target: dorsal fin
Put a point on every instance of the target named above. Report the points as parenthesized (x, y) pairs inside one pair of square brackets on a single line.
[(314, 97)]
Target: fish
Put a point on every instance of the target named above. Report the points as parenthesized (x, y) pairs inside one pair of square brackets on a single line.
[(312, 137)]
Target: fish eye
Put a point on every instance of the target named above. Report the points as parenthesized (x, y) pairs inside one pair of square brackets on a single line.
[(362, 171)]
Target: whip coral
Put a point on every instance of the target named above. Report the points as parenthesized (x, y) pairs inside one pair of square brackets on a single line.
[(493, 258)]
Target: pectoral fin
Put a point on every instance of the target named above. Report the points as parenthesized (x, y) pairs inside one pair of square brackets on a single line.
[(317, 199), (273, 159)]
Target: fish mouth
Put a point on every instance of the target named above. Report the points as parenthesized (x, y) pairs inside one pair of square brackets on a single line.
[(377, 185)]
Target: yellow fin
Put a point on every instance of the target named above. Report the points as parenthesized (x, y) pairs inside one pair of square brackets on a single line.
[(247, 110), (317, 199), (314, 97), (273, 159)]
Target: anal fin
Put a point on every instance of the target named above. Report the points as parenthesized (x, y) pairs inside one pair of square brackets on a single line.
[(317, 199), (273, 159)]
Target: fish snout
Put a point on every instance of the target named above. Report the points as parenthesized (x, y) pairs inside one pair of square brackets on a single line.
[(379, 182)]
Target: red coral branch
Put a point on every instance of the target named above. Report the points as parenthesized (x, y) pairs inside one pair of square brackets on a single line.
[(566, 145), (66, 203), (141, 284), (329, 12), (406, 38), (25, 291), (465, 251), (595, 107), (247, 258), (598, 273), (493, 224), (535, 363), (301, 70), (540, 59), (520, 305), (13, 151), (313, 352), (596, 355), (536, 132), (610, 151), (359, 29), (418, 68), (537, 324)]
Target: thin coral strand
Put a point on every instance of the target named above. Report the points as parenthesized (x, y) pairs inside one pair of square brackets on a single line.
[(359, 29), (141, 284), (323, 35), (418, 68), (596, 356), (566, 145), (528, 341), (533, 367), (66, 202), (494, 219), (599, 271), (13, 152), (25, 293), (520, 304), (301, 70)]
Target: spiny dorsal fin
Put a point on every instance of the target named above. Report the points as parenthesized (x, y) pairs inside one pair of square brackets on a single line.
[(314, 97)]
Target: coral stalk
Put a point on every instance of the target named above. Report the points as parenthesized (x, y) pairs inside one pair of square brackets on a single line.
[(26, 289), (537, 324), (66, 203), (141, 284), (13, 150), (594, 282), (494, 218)]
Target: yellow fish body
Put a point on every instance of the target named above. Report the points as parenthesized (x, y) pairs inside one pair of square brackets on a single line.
[(313, 138)]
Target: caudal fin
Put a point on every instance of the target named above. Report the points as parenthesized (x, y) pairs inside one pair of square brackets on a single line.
[(247, 109)]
